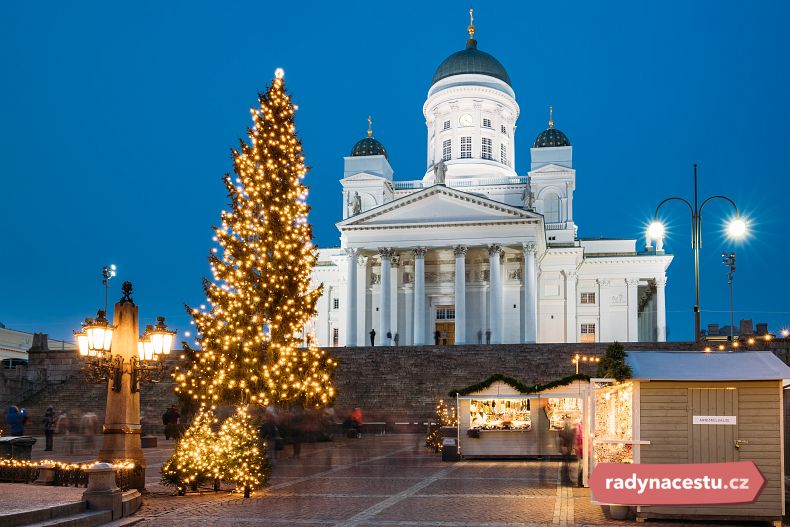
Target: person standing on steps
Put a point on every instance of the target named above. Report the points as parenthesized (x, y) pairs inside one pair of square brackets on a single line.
[(488, 336), (479, 336), (436, 336), (48, 424), (372, 337), (389, 338)]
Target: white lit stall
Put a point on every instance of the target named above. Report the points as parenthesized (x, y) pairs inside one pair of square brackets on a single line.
[(501, 417)]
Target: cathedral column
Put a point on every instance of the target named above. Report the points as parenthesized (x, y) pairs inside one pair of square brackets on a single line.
[(661, 314), (570, 306), (351, 298), (384, 297), (633, 309), (362, 296), (460, 294), (495, 306), (419, 296), (529, 303), (395, 274)]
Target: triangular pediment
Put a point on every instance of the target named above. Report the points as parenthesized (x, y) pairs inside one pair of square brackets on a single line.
[(439, 205), (550, 169), (363, 176)]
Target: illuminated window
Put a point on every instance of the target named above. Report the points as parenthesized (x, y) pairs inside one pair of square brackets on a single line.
[(447, 150), (446, 125), (466, 148), (588, 298), (335, 337), (336, 303), (503, 154), (486, 123), (487, 149), (587, 332), (445, 312)]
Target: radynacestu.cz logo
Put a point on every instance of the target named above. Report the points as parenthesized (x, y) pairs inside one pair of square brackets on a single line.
[(676, 484)]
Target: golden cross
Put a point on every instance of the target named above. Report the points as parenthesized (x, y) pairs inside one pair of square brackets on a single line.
[(551, 117), (370, 126), (471, 27)]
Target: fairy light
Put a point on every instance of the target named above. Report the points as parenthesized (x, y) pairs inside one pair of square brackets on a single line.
[(259, 300)]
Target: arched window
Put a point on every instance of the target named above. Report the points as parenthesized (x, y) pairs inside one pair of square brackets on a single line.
[(551, 207)]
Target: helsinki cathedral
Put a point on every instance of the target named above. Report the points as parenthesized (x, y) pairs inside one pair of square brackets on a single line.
[(470, 251)]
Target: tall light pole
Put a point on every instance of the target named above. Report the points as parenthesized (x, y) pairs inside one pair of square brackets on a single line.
[(729, 261), (736, 229)]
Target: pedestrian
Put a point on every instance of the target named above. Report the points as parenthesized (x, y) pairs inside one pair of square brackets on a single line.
[(567, 437), (295, 432), (396, 338), (436, 336), (389, 338), (16, 419), (488, 336), (353, 423), (372, 337), (580, 454), (170, 420), (48, 424), (89, 426), (479, 336), (65, 427), (270, 435)]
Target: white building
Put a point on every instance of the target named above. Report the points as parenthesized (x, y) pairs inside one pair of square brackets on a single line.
[(471, 251)]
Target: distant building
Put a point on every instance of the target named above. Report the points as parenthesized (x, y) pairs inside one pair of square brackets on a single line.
[(15, 344), (744, 329)]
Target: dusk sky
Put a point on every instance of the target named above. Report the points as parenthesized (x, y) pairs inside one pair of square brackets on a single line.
[(117, 121)]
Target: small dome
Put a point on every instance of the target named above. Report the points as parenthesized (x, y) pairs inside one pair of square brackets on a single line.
[(551, 137), (471, 60), (369, 147)]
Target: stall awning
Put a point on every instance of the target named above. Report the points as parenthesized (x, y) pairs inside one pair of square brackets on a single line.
[(711, 366)]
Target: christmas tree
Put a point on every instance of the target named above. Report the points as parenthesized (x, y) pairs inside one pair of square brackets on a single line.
[(194, 460), (444, 417), (260, 299), (613, 364), (243, 455)]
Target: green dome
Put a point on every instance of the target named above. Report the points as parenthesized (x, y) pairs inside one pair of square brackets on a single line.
[(369, 147), (471, 60), (551, 137)]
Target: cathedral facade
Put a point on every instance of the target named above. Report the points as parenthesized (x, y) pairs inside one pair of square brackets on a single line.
[(473, 252)]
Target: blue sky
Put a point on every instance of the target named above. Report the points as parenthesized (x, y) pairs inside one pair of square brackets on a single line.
[(117, 120)]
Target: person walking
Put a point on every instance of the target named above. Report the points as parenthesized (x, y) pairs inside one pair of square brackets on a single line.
[(89, 426), (436, 336), (48, 424), (567, 442), (270, 434), (372, 337), (170, 420), (16, 419), (396, 338)]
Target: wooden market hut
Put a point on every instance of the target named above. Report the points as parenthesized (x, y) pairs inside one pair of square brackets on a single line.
[(674, 396)]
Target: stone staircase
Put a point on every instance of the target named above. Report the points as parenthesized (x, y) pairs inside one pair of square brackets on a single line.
[(77, 397), (65, 515)]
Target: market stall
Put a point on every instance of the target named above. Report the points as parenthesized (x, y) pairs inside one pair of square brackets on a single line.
[(501, 417), (696, 407)]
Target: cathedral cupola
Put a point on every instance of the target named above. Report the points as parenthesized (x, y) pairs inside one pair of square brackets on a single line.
[(471, 61), (369, 146), (551, 137)]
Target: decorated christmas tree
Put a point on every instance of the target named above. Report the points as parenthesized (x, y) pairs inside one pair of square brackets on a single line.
[(248, 338), (243, 455), (445, 416), (194, 460)]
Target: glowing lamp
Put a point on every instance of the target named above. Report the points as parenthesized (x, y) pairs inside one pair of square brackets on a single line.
[(655, 230), (82, 342), (736, 228), (99, 334)]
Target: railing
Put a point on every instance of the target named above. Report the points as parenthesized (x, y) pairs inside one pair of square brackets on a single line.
[(65, 474), (417, 184), (557, 226)]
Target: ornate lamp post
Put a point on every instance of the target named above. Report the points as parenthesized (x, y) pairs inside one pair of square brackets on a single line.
[(736, 229), (114, 353)]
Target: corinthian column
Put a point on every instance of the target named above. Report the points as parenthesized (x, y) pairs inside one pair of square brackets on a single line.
[(633, 309), (495, 305), (529, 304), (570, 306), (384, 296), (460, 294), (661, 313), (419, 296), (351, 297)]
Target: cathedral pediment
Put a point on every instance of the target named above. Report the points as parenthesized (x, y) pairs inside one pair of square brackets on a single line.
[(439, 205)]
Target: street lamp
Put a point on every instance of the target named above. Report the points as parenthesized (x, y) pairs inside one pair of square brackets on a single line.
[(107, 272), (736, 228), (584, 358), (729, 261), (115, 353)]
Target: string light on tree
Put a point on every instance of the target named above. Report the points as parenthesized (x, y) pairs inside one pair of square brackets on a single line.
[(249, 332)]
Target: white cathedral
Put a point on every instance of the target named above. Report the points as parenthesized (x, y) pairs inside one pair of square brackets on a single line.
[(472, 252)]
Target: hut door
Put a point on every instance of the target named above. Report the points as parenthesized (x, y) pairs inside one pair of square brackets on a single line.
[(713, 425)]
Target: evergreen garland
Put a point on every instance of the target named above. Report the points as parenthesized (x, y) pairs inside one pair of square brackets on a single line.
[(521, 387)]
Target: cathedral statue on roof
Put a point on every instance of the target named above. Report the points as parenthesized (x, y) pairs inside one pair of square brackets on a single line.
[(471, 247)]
